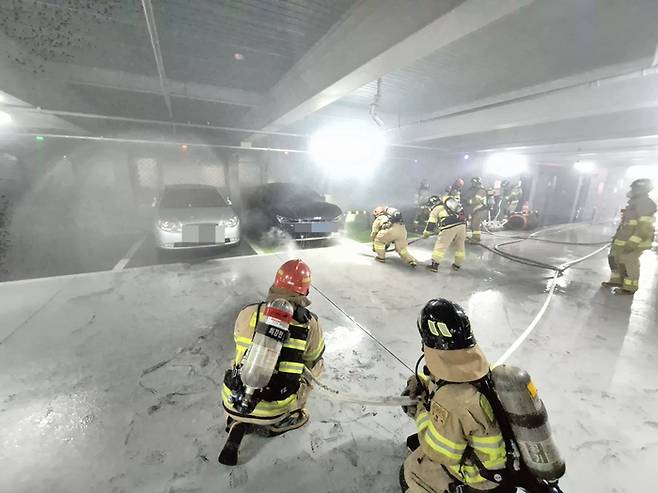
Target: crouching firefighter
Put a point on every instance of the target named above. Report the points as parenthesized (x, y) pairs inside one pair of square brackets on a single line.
[(477, 430), (388, 227), (264, 392), (448, 216)]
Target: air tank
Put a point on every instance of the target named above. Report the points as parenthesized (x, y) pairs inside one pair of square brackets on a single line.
[(529, 421), (263, 354)]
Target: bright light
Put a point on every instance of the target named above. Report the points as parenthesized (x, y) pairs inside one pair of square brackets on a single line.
[(585, 167), (5, 118), (183, 147), (642, 171), (506, 164), (467, 157), (353, 150), (39, 138)]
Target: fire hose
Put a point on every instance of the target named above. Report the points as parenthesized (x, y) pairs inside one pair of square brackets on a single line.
[(394, 401)]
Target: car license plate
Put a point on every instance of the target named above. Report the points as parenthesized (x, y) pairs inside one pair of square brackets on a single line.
[(203, 233), (315, 228)]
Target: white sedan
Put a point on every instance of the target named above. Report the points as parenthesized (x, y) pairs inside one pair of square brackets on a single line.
[(194, 216)]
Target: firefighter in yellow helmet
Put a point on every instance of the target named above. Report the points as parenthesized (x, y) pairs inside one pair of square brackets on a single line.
[(279, 406), (478, 208), (448, 217), (388, 227), (634, 235), (459, 440)]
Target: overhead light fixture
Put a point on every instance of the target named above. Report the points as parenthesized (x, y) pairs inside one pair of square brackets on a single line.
[(348, 150), (183, 147), (5, 118), (39, 138), (467, 157), (506, 164), (238, 56), (585, 167)]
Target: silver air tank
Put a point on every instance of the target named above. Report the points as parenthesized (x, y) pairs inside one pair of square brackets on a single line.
[(263, 354), (529, 421)]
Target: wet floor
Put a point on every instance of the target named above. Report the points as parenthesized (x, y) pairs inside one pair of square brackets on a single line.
[(110, 381)]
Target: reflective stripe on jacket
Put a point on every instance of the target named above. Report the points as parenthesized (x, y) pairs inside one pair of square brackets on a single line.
[(303, 347), (638, 224), (460, 418)]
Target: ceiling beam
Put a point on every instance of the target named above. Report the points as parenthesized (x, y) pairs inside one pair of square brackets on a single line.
[(131, 82), (635, 90), (376, 37)]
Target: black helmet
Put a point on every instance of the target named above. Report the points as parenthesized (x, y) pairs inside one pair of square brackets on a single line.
[(476, 181), (642, 185), (433, 200), (444, 325)]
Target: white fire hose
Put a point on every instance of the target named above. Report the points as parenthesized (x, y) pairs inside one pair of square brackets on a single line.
[(374, 400)]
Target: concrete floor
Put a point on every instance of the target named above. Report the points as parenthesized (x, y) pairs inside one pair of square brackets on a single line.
[(110, 381)]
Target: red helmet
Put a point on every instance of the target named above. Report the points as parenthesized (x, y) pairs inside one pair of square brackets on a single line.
[(295, 276)]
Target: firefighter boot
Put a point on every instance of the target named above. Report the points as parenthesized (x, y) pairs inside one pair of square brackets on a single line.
[(412, 263), (610, 284), (379, 259), (434, 266), (456, 267)]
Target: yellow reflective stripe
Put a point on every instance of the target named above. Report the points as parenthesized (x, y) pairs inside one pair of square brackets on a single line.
[(619, 242), (646, 244), (422, 420), (403, 252), (460, 254), (647, 219), (468, 474), (632, 222), (242, 341), (630, 282), (442, 445), (493, 441), (252, 320), (298, 344), (290, 367), (380, 247), (635, 239), (313, 355), (263, 408)]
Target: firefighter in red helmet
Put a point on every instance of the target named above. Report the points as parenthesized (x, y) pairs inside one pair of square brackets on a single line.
[(280, 405)]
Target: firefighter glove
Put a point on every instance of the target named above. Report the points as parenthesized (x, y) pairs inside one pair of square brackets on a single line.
[(426, 234)]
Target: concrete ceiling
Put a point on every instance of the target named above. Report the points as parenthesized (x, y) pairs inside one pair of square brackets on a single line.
[(459, 75)]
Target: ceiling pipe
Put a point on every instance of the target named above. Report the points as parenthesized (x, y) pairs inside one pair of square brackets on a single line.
[(374, 106), (157, 52)]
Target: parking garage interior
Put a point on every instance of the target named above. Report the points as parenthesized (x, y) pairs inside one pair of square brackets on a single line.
[(299, 117)]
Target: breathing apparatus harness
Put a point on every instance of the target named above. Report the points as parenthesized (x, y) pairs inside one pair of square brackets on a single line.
[(252, 379), (517, 473)]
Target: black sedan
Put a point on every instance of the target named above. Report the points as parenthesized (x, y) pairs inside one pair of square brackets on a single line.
[(281, 210)]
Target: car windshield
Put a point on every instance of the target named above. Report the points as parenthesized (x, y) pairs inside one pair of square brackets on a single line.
[(286, 192), (178, 198)]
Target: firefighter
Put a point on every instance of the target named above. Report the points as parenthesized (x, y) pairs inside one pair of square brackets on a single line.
[(455, 190), (634, 235), (423, 193), (448, 216), (513, 195), (478, 208), (459, 440), (280, 407), (388, 227)]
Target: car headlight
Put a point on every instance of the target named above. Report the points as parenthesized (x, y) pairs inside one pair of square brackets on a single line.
[(283, 219), (169, 226), (233, 221)]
